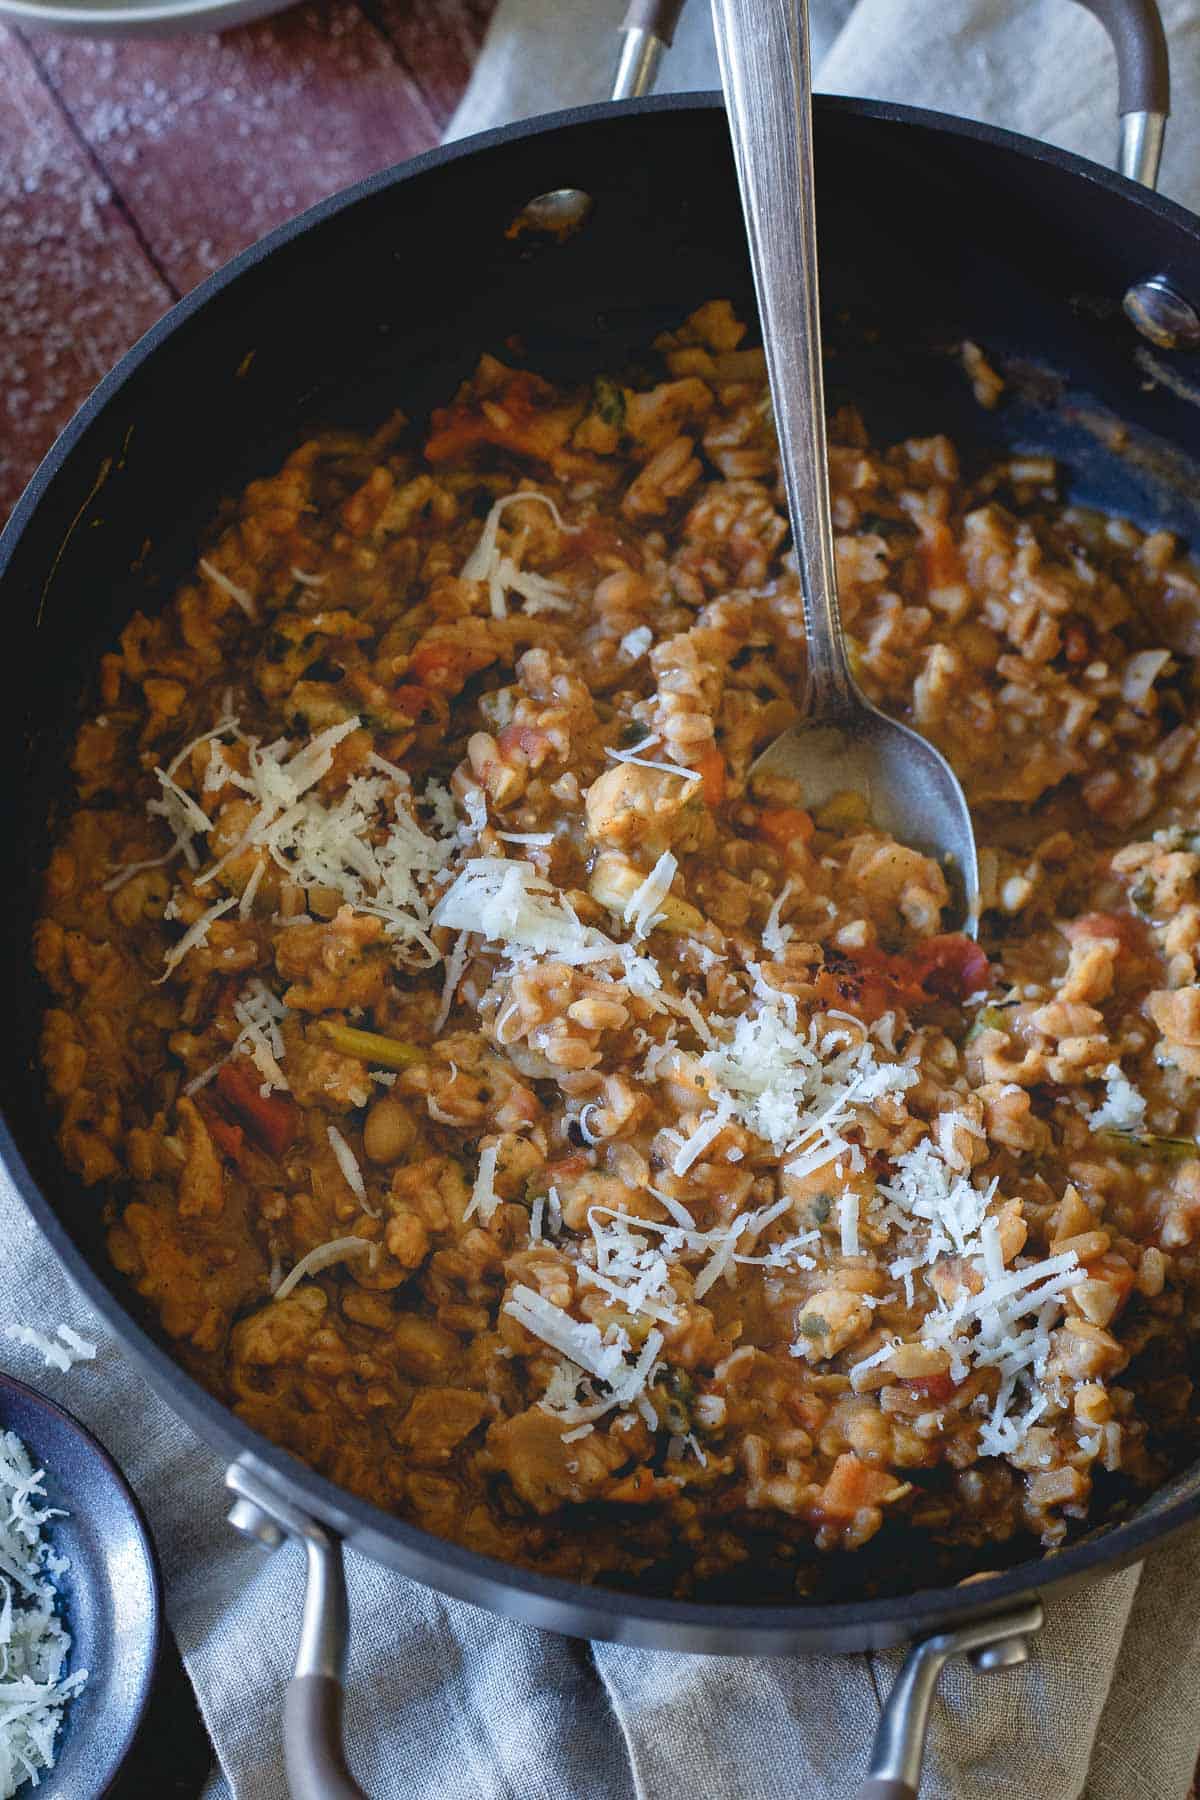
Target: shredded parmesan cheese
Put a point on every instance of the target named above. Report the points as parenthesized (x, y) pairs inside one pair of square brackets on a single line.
[(848, 1222), (244, 600), (347, 1162), (484, 1198), (641, 909), (366, 845), (193, 937), (34, 1643), (776, 937), (1123, 1108), (503, 574), (323, 1257), (62, 1351), (641, 762)]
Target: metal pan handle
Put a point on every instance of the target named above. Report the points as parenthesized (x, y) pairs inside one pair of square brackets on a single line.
[(647, 29), (312, 1710), (1134, 26), (1143, 82), (1001, 1642)]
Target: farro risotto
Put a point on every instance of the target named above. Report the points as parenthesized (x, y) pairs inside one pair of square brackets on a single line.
[(565, 1139)]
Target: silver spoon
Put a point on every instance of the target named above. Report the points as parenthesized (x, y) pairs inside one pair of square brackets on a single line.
[(843, 742)]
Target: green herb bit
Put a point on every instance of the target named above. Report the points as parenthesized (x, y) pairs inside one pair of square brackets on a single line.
[(820, 1207), (372, 1046), (988, 1018), (676, 1396), (885, 527), (608, 402), (812, 1325), (1166, 1149), (1141, 894)]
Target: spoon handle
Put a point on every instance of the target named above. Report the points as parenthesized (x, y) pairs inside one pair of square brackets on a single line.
[(765, 71)]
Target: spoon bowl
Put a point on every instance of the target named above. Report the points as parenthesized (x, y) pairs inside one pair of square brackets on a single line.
[(908, 787), (843, 742)]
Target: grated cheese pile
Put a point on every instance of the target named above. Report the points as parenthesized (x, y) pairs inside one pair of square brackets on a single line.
[(1006, 1325), (34, 1643), (259, 1013), (62, 1351), (795, 1089), (513, 907), (503, 573), (367, 845), (1123, 1108)]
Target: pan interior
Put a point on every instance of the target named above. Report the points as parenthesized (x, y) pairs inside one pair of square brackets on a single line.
[(927, 236)]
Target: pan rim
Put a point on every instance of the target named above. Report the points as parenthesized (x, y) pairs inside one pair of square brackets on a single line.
[(553, 1601), (443, 155)]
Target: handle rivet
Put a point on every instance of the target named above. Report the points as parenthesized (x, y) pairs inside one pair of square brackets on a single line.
[(558, 214), (255, 1523), (1009, 1653), (1161, 314)]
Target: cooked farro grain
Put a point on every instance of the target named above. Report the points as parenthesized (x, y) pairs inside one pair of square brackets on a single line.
[(664, 1189)]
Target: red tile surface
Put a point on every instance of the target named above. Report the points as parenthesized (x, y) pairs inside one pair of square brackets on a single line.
[(130, 169), (212, 141), (438, 43), (75, 287)]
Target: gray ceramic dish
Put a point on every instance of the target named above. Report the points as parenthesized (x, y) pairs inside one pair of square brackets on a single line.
[(111, 1594), (135, 18)]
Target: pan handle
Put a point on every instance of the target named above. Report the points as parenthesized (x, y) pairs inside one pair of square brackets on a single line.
[(312, 1711), (1000, 1642), (1143, 82), (647, 29), (1134, 26)]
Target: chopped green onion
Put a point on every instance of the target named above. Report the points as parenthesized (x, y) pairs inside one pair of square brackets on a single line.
[(1167, 1149), (372, 1046)]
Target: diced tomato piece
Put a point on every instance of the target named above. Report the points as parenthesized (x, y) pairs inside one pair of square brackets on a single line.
[(939, 554), (872, 982), (711, 771), (270, 1119), (851, 1485), (227, 1136), (638, 1489), (527, 739), (937, 1389), (521, 416), (1127, 929), (1138, 960), (411, 700), (785, 826), (864, 986), (575, 1164), (446, 665), (952, 967)]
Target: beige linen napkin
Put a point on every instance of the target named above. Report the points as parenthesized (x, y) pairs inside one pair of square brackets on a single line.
[(1043, 67)]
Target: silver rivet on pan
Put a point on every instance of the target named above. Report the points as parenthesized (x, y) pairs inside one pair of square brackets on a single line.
[(556, 214), (1009, 1653), (1161, 314), (253, 1522)]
